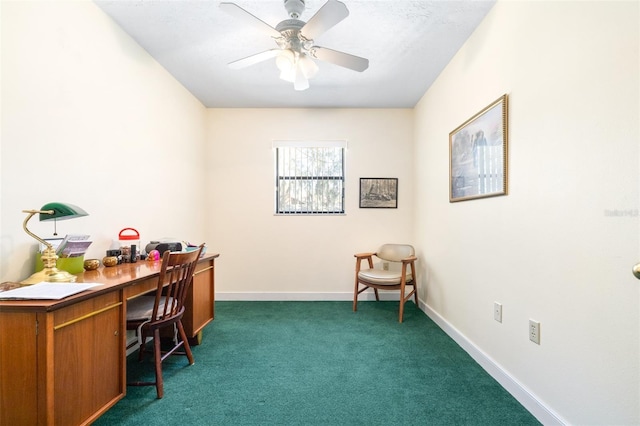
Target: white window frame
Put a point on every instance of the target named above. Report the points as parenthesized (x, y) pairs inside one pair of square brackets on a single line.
[(279, 177)]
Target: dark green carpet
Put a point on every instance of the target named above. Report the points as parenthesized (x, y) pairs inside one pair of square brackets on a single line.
[(319, 363)]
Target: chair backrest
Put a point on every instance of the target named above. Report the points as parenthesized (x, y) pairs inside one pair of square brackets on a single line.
[(176, 275), (395, 252)]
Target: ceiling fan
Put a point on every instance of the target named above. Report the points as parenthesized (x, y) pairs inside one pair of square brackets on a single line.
[(295, 39)]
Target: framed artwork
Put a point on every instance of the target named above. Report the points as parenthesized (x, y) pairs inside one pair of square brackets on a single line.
[(478, 154), (378, 193)]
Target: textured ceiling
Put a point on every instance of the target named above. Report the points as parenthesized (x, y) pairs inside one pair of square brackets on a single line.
[(408, 43)]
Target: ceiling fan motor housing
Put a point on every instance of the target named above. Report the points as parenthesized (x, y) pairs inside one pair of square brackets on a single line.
[(294, 7), (291, 37)]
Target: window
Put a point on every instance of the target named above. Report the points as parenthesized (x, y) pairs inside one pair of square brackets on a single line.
[(309, 177)]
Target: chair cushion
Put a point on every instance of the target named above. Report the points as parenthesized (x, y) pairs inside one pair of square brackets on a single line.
[(382, 277), (141, 308), (395, 252)]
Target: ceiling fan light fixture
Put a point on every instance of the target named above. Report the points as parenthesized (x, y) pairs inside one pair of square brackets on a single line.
[(287, 64), (289, 75), (285, 60), (307, 66), (301, 82)]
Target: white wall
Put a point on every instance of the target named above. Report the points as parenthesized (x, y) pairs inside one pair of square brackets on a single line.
[(560, 247), (302, 257), (88, 118)]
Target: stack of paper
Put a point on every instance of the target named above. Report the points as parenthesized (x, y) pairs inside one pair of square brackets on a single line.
[(51, 291)]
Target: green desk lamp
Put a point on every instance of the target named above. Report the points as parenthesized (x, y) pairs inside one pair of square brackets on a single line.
[(51, 211)]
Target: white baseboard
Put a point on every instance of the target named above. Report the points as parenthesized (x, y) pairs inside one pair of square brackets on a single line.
[(541, 412), (302, 297)]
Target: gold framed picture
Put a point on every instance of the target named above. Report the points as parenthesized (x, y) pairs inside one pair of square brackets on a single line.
[(478, 154)]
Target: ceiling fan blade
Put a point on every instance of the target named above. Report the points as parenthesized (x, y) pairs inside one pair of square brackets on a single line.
[(346, 60), (329, 15), (246, 17), (254, 59)]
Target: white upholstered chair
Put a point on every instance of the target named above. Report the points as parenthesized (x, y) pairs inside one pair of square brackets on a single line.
[(391, 279)]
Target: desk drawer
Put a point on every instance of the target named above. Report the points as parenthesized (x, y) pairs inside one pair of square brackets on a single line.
[(140, 288), (88, 308)]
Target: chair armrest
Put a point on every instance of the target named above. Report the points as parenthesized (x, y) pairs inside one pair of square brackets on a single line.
[(363, 255), (409, 259)]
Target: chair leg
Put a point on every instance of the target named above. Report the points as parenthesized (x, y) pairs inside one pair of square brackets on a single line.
[(185, 342), (403, 298), (143, 342), (157, 355)]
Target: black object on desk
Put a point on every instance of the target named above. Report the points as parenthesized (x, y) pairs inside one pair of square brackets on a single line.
[(162, 247)]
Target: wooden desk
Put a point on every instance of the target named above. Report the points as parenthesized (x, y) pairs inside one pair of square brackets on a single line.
[(63, 362)]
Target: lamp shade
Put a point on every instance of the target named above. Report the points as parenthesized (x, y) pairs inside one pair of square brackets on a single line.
[(61, 211)]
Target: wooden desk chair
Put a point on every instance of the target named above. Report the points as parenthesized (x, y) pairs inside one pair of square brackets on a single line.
[(380, 279), (149, 314)]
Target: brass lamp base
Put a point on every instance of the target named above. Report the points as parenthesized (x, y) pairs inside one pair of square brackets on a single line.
[(50, 275)]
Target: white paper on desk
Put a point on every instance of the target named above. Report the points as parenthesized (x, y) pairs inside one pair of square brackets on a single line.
[(46, 291)]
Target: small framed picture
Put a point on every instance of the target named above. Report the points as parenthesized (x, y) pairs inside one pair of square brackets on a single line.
[(378, 193), (478, 154)]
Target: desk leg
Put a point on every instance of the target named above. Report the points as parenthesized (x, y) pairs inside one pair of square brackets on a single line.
[(195, 340)]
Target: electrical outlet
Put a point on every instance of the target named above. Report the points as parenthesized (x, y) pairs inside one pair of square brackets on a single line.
[(497, 311), (385, 266), (534, 331)]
